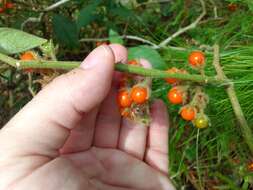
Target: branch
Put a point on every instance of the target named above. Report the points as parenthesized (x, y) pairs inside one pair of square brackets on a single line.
[(123, 37), (130, 37), (246, 131), (68, 65), (32, 19), (55, 5), (50, 8), (189, 27)]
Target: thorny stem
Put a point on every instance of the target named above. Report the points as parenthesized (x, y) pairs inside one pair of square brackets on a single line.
[(246, 131), (154, 73)]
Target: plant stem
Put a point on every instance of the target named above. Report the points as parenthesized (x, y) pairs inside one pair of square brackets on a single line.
[(155, 73), (246, 131), (68, 65), (197, 161)]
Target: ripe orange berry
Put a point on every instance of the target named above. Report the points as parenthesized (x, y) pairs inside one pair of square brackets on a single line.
[(9, 5), (175, 96), (27, 56), (197, 59), (139, 94), (250, 166), (2, 10), (188, 113), (232, 7), (133, 62), (172, 70), (124, 99)]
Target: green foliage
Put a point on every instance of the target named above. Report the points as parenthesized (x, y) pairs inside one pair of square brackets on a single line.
[(15, 41), (87, 14), (65, 31)]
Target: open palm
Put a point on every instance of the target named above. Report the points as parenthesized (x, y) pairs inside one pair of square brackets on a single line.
[(71, 136)]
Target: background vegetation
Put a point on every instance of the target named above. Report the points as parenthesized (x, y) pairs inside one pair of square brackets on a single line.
[(212, 158)]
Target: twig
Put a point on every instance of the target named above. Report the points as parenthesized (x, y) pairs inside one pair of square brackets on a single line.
[(214, 9), (153, 2), (32, 19), (246, 131), (55, 5), (189, 27), (50, 8), (197, 160), (130, 37), (68, 65), (193, 181), (30, 87)]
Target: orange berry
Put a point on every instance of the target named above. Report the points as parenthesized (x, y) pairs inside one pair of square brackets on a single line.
[(28, 56), (9, 5), (174, 70), (133, 62), (139, 94), (124, 99), (250, 166), (175, 96), (2, 10), (232, 7), (188, 113), (197, 59)]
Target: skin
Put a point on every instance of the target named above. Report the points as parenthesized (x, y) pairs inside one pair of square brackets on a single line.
[(71, 135)]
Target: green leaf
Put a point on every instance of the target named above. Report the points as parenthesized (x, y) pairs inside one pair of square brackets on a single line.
[(114, 37), (87, 14), (65, 31), (15, 41), (147, 53), (122, 12)]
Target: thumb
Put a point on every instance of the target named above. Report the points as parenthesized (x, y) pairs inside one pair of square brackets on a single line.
[(43, 125)]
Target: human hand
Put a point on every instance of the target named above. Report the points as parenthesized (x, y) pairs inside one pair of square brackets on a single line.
[(71, 136)]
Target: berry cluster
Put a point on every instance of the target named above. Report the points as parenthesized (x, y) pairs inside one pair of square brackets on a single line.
[(133, 96), (193, 100), (5, 6)]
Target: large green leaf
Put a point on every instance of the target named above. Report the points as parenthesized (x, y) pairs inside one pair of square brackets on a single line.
[(87, 14), (65, 31), (147, 53), (15, 41), (114, 37)]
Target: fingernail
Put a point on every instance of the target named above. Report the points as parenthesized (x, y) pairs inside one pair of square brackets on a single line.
[(96, 57)]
